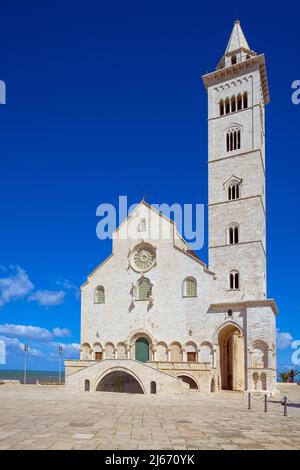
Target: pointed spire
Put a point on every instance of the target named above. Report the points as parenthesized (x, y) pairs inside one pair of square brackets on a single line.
[(237, 39), (237, 49)]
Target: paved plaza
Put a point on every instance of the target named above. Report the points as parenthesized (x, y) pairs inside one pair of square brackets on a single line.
[(50, 417)]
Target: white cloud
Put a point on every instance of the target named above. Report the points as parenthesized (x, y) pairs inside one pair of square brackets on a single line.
[(16, 285), (47, 298), (283, 339), (61, 332), (15, 347), (26, 331)]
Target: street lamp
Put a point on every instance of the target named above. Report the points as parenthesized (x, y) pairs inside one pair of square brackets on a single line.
[(60, 351), (25, 361)]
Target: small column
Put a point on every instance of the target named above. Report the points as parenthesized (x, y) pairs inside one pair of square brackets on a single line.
[(169, 355), (199, 355), (270, 358), (249, 355), (128, 349), (213, 357), (184, 355)]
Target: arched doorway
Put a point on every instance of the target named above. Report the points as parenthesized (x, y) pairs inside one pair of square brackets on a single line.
[(231, 344), (142, 349), (188, 380), (119, 381)]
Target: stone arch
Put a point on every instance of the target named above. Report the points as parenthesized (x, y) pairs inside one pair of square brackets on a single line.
[(220, 327), (119, 385), (206, 351), (136, 337), (232, 368), (121, 350), (259, 349), (175, 352), (191, 351), (97, 351), (109, 351), (189, 379), (86, 352), (161, 351)]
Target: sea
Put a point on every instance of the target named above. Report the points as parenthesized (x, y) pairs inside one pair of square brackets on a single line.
[(31, 376)]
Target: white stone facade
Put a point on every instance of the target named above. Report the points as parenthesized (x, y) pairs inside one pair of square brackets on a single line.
[(155, 301)]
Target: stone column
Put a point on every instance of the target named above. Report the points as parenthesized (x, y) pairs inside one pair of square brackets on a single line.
[(184, 355), (199, 355), (169, 355), (270, 358), (213, 357)]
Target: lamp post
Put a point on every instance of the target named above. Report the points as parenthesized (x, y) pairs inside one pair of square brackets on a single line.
[(25, 361), (60, 351)]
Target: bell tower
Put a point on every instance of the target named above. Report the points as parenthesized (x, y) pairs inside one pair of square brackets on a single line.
[(237, 95)]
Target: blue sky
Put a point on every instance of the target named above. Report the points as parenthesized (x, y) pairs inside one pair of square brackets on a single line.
[(94, 91)]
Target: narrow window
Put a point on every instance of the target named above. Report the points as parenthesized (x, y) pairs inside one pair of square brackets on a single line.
[(233, 235), (234, 281), (236, 235), (234, 140), (99, 295), (239, 102), (233, 60), (229, 312), (229, 193), (245, 100), (87, 386), (153, 387), (233, 104), (233, 191), (238, 139), (221, 108), (231, 141), (227, 142), (227, 106)]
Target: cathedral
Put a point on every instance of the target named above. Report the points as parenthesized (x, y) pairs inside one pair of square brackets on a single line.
[(155, 319)]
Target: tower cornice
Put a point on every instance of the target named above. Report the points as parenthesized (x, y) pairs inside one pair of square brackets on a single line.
[(235, 70)]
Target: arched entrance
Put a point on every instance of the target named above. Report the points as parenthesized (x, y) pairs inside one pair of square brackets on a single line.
[(231, 344), (188, 380), (142, 349), (119, 381)]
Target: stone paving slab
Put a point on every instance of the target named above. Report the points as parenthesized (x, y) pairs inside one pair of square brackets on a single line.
[(50, 417)]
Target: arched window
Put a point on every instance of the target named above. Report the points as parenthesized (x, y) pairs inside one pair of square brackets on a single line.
[(153, 387), (87, 385), (233, 60), (233, 191), (233, 104), (99, 295), (245, 100), (234, 280), (190, 287), (233, 139), (221, 105), (227, 106), (239, 102), (233, 234), (144, 289)]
